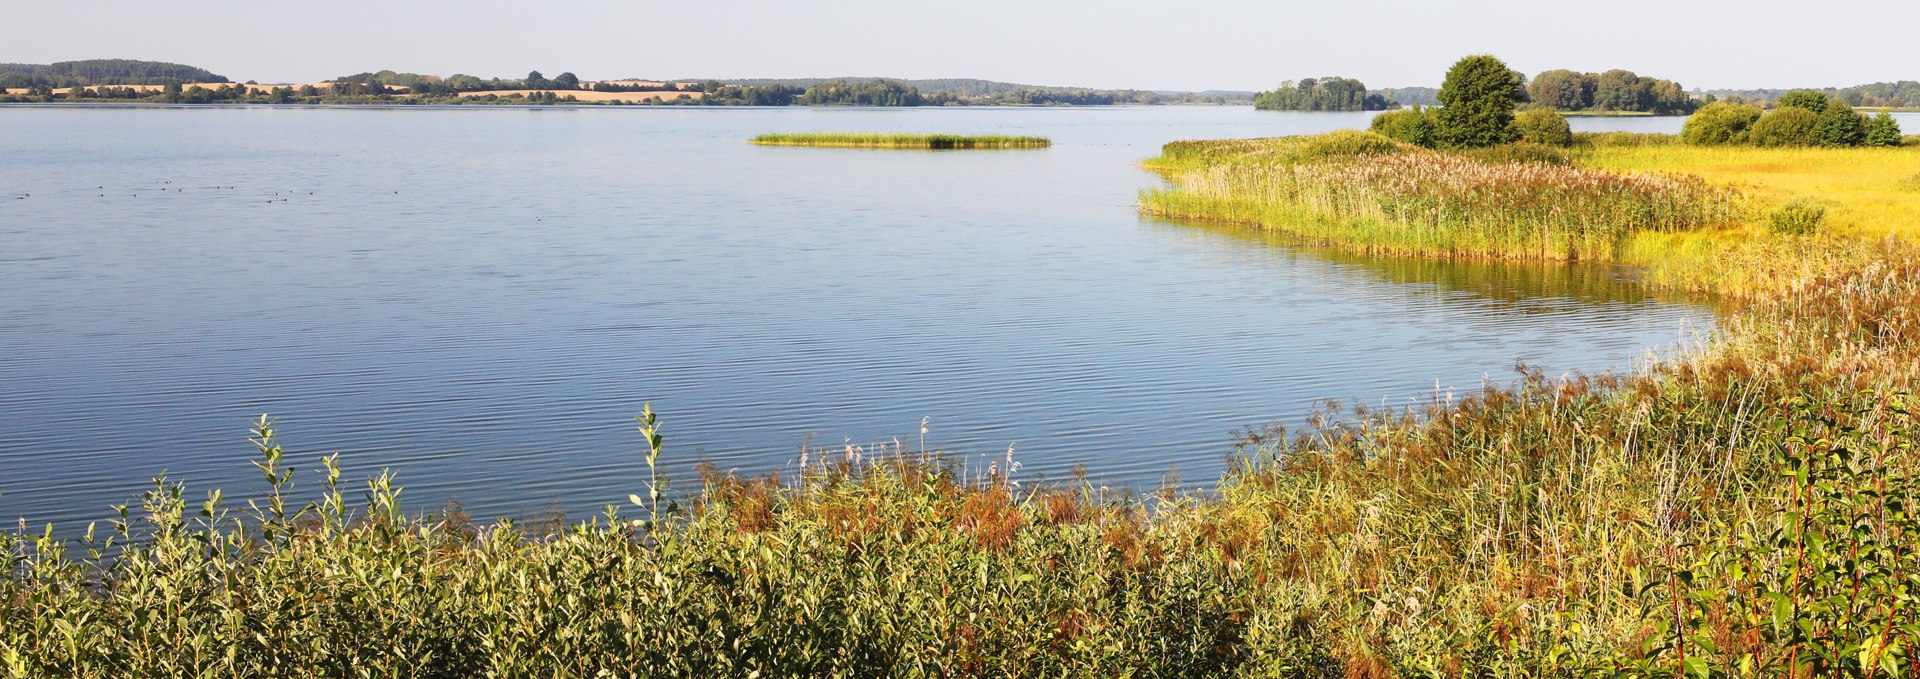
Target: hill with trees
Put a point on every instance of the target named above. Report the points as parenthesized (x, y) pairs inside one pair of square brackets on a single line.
[(1901, 94), (91, 72)]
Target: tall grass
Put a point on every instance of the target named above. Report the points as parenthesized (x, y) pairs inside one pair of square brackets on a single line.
[(901, 141), (1419, 202)]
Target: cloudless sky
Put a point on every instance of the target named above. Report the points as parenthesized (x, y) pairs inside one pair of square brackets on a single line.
[(1187, 45)]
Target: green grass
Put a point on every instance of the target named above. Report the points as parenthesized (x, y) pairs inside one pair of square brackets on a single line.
[(902, 141)]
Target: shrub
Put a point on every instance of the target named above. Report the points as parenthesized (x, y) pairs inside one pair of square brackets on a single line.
[(1720, 123), (1523, 152), (1477, 103), (1798, 217), (1414, 126), (1544, 126), (1806, 99), (1838, 125), (1790, 126), (1883, 130)]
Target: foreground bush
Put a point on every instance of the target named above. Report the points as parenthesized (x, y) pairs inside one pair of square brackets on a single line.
[(1720, 123)]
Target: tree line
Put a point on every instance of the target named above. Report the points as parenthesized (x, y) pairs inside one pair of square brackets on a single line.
[(1322, 94), (89, 72), (1900, 94), (1615, 90), (1798, 118)]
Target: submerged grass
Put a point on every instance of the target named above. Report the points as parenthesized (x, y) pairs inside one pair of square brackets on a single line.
[(902, 141)]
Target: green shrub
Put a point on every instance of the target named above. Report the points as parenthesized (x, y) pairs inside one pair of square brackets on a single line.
[(1477, 102), (1522, 152), (1544, 126), (1883, 130), (1804, 99), (1720, 123), (1838, 125), (1798, 217), (1790, 126), (1414, 126)]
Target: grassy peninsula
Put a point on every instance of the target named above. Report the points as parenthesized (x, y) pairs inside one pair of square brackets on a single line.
[(901, 141), (1745, 509)]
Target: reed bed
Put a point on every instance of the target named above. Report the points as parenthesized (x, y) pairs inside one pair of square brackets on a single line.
[(902, 141), (1434, 203)]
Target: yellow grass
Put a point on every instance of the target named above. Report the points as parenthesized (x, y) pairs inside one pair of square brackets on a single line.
[(1867, 191)]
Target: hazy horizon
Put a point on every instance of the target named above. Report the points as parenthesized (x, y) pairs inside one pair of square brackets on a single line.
[(1208, 45)]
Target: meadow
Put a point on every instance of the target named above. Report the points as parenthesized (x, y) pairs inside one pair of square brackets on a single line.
[(901, 141), (1743, 509)]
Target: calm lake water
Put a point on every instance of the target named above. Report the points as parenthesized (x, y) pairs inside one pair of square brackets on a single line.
[(481, 299)]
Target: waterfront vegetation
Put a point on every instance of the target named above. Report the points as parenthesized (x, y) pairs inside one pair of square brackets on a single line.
[(901, 141), (1322, 94), (1745, 508)]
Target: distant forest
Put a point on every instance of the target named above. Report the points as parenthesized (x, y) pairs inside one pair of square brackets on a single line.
[(91, 72), (1902, 94), (974, 92), (1322, 94), (1613, 91)]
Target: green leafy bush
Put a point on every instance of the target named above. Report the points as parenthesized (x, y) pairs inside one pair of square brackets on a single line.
[(1883, 130), (1838, 125), (1797, 217), (1415, 126), (1789, 126), (1544, 126), (1720, 123)]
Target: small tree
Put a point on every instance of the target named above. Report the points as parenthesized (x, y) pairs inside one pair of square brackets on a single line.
[(1477, 103), (566, 81), (535, 81), (1807, 99), (1883, 130), (1720, 123), (1544, 126), (1838, 125), (1788, 126)]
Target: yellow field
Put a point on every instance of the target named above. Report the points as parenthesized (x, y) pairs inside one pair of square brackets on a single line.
[(1869, 192)]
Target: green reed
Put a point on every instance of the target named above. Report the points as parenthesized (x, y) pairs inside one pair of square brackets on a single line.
[(902, 141), (1381, 198)]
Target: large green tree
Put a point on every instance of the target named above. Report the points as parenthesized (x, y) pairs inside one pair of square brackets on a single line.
[(1883, 130), (1477, 103), (1840, 126)]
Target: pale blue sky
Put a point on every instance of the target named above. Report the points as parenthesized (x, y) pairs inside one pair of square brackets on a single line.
[(1196, 44)]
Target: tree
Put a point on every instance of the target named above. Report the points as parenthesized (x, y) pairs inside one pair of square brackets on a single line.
[(1883, 130), (1720, 123), (1318, 94), (566, 81), (1807, 99), (1786, 126), (1477, 102), (1563, 90), (1544, 126), (1838, 125), (1619, 90), (535, 81)]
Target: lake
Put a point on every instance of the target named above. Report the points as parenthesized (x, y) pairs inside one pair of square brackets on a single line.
[(482, 299)]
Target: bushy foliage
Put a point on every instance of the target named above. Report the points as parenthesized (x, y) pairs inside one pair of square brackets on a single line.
[(1720, 123), (1417, 126), (1544, 126), (860, 93), (1882, 130), (1322, 94), (1477, 102), (1797, 217), (1811, 100), (1786, 126), (1838, 125)]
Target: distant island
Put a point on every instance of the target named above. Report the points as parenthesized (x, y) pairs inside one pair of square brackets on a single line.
[(123, 80), (1615, 91), (1323, 94)]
